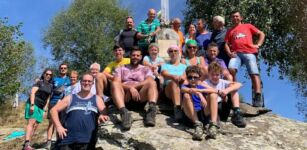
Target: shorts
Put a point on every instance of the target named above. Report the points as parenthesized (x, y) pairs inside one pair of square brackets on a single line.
[(38, 113), (249, 60)]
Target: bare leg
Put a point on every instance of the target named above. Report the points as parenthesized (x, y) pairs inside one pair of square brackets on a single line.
[(50, 130), (235, 99), (213, 106), (101, 82), (172, 91), (188, 107), (29, 129), (149, 91), (118, 94), (233, 72)]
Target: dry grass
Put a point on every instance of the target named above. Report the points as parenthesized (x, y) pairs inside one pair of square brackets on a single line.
[(12, 119)]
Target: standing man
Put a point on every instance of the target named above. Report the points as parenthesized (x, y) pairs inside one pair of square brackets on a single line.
[(60, 83), (147, 31), (241, 49), (218, 37), (202, 37), (82, 117), (128, 37), (134, 83), (176, 28)]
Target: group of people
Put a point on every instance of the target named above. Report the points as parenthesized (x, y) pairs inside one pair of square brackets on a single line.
[(199, 79)]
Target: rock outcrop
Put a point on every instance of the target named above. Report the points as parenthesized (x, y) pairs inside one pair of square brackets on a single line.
[(266, 131)]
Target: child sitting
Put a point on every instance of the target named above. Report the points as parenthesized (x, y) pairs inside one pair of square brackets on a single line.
[(225, 87), (154, 62), (194, 102)]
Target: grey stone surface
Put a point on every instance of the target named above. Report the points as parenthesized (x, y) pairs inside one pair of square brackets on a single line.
[(266, 131)]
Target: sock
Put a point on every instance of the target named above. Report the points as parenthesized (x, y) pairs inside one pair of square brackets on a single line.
[(123, 110), (235, 109), (151, 104), (178, 107)]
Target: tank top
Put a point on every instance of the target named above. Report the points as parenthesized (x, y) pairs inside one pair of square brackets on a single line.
[(187, 62), (81, 120)]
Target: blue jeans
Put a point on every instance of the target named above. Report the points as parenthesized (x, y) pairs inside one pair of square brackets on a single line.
[(249, 60)]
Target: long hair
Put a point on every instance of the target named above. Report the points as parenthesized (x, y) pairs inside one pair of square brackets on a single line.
[(42, 78)]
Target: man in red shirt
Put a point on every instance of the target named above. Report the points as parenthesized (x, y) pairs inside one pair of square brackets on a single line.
[(241, 49)]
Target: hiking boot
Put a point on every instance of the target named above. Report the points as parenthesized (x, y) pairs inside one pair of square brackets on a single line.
[(27, 147), (213, 130), (237, 119), (198, 131), (178, 113), (150, 119), (258, 100), (47, 145), (126, 120)]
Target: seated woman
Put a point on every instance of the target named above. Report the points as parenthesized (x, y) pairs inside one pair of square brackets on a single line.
[(154, 62), (192, 59), (173, 73), (37, 104)]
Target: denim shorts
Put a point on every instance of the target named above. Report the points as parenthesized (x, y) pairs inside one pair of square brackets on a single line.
[(249, 60)]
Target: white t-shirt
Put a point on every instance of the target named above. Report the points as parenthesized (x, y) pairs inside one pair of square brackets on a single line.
[(223, 84)]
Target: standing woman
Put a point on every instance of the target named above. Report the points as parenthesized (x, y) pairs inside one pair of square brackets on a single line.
[(191, 35), (36, 105)]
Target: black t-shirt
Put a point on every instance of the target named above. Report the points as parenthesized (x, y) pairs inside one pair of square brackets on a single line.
[(128, 39), (42, 94)]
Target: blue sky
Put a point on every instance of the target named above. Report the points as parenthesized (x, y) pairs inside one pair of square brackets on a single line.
[(36, 16)]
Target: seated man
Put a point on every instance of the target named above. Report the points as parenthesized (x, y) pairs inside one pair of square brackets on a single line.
[(194, 103), (134, 82), (80, 126), (105, 78), (225, 87), (212, 53)]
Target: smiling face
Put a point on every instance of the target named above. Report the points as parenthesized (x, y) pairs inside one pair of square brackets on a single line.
[(236, 18), (151, 14), (48, 75), (94, 70), (193, 78), (192, 29), (73, 78), (173, 53), (135, 57), (87, 82), (119, 53), (191, 49), (153, 51), (212, 52), (129, 23)]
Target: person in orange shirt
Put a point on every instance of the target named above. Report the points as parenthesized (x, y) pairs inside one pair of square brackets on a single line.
[(176, 28)]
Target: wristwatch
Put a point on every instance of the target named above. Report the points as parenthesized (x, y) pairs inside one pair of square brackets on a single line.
[(32, 104)]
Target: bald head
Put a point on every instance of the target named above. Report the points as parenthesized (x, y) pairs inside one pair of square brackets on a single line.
[(151, 14), (176, 23)]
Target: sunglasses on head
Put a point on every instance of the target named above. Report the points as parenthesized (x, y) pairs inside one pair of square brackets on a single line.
[(193, 77)]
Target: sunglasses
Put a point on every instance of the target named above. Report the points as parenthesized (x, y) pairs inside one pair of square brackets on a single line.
[(63, 68), (190, 47), (193, 77), (48, 74), (87, 81), (173, 51)]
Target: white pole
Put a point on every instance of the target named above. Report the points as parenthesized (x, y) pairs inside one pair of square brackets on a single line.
[(165, 11)]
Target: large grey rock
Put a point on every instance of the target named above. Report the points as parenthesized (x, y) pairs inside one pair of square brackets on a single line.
[(267, 131)]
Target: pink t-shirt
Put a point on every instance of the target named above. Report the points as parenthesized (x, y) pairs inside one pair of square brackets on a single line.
[(132, 76), (240, 38)]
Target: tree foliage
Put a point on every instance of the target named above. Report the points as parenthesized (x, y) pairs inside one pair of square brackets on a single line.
[(16, 56), (284, 23), (84, 33)]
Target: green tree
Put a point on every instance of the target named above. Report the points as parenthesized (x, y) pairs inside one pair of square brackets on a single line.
[(84, 33), (283, 22), (16, 57)]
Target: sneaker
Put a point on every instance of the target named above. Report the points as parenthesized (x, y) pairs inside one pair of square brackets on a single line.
[(213, 130), (198, 131), (238, 120), (258, 100), (150, 119), (27, 147), (178, 113), (126, 120), (47, 145)]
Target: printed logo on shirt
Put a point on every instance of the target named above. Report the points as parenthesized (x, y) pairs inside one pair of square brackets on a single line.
[(240, 35)]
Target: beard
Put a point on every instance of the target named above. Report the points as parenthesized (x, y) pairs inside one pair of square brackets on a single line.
[(135, 62)]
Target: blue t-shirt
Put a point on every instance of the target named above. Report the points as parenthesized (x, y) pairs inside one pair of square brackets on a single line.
[(196, 100), (156, 62), (203, 40), (173, 70), (59, 86)]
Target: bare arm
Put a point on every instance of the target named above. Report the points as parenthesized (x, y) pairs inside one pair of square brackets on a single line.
[(101, 108), (261, 38), (228, 51)]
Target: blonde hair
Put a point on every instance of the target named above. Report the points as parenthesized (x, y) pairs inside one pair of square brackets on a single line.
[(220, 19), (215, 68), (95, 64)]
